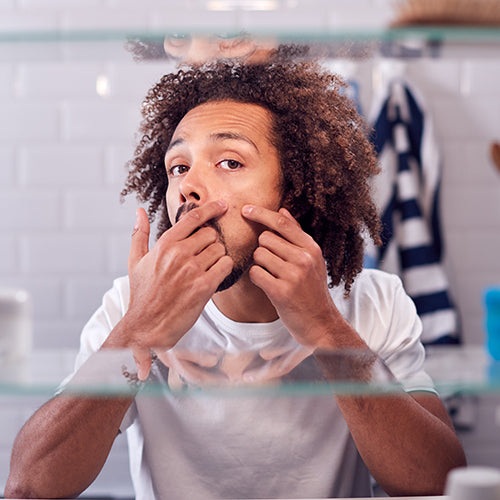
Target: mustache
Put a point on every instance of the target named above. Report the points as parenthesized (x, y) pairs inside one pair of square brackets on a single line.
[(184, 209), (187, 207)]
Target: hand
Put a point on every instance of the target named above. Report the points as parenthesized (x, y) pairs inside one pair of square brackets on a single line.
[(217, 367), (192, 368), (290, 269), (170, 285)]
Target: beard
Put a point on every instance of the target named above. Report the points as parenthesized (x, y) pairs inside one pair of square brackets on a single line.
[(240, 267), (242, 262)]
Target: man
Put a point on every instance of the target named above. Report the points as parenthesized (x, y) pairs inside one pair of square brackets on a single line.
[(260, 177)]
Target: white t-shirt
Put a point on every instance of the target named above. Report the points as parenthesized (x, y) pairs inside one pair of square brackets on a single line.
[(204, 446)]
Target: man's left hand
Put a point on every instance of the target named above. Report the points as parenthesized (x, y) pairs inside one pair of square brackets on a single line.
[(290, 269)]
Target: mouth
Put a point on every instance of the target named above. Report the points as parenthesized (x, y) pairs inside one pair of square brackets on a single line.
[(184, 209), (209, 223)]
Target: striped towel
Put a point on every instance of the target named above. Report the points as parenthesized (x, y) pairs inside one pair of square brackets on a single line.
[(406, 193)]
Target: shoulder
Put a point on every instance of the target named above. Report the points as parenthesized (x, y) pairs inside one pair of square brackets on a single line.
[(383, 314), (114, 305), (374, 287), (119, 294), (378, 307)]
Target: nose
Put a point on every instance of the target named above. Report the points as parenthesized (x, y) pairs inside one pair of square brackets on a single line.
[(200, 50), (192, 187)]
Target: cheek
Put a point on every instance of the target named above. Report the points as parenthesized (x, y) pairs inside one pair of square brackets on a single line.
[(171, 208)]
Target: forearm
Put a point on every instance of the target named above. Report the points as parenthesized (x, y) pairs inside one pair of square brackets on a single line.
[(62, 448), (407, 448), (407, 441)]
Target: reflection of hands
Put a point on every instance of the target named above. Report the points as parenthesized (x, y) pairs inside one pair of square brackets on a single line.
[(291, 270), (278, 364), (193, 368), (221, 368), (170, 285)]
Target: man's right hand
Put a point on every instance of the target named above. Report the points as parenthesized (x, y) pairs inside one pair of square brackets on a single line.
[(170, 285)]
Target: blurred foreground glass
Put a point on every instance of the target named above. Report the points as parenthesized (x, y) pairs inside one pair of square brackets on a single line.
[(478, 483), (16, 326)]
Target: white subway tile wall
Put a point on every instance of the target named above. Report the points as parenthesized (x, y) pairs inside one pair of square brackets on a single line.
[(67, 127)]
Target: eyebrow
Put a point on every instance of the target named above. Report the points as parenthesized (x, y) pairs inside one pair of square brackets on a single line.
[(218, 137), (233, 136)]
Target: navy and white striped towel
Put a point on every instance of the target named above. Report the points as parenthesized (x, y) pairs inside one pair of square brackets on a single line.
[(406, 193)]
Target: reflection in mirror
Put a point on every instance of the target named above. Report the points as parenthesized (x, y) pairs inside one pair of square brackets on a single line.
[(221, 408), (274, 371), (252, 48), (258, 171), (198, 49)]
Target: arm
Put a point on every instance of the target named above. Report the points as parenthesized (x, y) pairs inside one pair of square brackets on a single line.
[(406, 440), (64, 445), (62, 448)]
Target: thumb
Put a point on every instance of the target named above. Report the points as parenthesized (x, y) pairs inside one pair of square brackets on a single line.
[(142, 359), (286, 213), (140, 239)]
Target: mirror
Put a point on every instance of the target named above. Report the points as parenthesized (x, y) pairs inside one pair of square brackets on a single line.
[(72, 81)]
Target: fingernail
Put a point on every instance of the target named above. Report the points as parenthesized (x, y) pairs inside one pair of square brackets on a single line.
[(247, 210), (136, 220), (142, 372), (223, 204)]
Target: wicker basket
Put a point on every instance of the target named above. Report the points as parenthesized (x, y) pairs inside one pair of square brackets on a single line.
[(447, 12)]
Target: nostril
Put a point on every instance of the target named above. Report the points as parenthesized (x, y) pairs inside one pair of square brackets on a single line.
[(195, 196)]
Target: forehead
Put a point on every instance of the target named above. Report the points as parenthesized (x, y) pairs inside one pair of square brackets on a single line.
[(252, 120)]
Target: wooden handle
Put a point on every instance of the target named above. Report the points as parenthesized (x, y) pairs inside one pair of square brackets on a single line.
[(495, 154)]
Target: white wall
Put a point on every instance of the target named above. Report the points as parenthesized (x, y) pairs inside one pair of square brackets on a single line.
[(63, 149), (65, 236)]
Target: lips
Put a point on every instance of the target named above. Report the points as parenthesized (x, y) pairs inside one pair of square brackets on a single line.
[(184, 209), (187, 207), (210, 223)]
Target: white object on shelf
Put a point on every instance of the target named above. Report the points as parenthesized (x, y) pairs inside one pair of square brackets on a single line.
[(478, 483)]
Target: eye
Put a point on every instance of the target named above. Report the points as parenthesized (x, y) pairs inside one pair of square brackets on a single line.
[(230, 164), (177, 40), (177, 170)]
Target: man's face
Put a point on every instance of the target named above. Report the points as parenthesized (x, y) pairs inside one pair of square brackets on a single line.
[(199, 49), (223, 151)]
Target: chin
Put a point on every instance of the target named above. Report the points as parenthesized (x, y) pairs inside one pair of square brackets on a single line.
[(239, 269)]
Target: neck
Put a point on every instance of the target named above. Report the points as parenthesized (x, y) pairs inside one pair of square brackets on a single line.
[(245, 303)]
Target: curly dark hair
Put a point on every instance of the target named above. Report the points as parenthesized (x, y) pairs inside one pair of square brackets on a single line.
[(325, 154)]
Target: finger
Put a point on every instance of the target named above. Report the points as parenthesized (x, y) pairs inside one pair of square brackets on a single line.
[(197, 242), (140, 239), (279, 246), (197, 217), (172, 356), (285, 364), (220, 270), (282, 223), (210, 255), (142, 359), (286, 213), (268, 353), (264, 280), (278, 366), (191, 371), (271, 262), (205, 359)]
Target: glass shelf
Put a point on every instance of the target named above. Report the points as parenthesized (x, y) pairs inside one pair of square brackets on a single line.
[(407, 42), (453, 370), (459, 34)]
